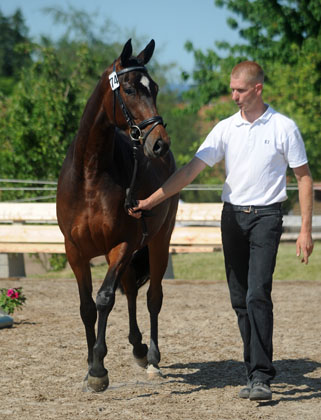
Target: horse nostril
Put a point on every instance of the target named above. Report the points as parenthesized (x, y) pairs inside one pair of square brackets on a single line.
[(160, 148)]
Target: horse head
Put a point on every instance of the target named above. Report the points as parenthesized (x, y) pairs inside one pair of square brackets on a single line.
[(132, 106)]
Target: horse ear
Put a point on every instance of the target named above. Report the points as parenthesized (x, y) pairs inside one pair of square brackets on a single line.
[(147, 53), (126, 53)]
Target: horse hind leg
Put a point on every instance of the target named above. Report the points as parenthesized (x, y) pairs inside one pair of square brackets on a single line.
[(158, 256), (88, 311), (135, 337), (135, 276)]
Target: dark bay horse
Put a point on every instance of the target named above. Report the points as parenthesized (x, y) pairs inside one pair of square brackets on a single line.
[(121, 146)]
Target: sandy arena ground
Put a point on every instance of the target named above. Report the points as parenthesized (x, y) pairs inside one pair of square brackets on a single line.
[(43, 357)]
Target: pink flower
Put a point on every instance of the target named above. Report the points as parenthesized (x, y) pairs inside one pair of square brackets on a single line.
[(12, 294)]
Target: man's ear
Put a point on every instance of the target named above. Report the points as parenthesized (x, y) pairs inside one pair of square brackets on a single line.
[(259, 88)]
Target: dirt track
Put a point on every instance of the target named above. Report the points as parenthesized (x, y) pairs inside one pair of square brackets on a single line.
[(43, 357)]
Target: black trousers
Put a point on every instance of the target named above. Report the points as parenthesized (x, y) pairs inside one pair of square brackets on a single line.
[(250, 237)]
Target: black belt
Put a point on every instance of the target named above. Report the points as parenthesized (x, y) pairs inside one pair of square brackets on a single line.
[(250, 208)]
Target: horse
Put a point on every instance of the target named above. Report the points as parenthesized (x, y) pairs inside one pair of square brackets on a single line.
[(120, 153)]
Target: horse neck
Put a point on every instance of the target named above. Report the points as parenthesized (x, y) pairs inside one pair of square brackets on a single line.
[(96, 132)]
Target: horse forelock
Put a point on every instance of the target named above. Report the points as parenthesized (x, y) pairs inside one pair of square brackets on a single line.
[(132, 62), (141, 78)]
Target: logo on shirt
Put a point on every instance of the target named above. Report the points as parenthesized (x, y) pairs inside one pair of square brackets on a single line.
[(266, 141)]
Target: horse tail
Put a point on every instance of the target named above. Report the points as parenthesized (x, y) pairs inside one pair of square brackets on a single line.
[(140, 265)]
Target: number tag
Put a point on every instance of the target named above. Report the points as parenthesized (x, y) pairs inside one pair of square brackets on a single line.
[(113, 80)]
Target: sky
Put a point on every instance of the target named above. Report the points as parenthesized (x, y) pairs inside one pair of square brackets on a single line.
[(169, 22)]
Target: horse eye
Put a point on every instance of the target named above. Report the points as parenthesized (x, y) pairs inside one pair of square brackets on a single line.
[(129, 91)]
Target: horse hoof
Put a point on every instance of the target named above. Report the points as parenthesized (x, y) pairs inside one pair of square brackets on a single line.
[(153, 372), (96, 384), (141, 361)]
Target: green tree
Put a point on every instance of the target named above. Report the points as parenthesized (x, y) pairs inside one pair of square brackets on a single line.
[(285, 38), (274, 27), (103, 46), (13, 34), (81, 29), (40, 118), (299, 84)]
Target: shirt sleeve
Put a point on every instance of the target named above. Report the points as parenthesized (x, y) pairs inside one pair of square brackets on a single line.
[(211, 150), (295, 152)]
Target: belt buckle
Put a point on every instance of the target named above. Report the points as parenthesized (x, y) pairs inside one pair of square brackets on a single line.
[(248, 210)]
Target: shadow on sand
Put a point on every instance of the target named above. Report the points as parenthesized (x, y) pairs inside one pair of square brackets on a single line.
[(290, 384)]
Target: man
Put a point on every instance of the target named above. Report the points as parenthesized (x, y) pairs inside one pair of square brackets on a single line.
[(258, 144)]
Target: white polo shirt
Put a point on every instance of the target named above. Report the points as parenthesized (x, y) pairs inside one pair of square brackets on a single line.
[(256, 156)]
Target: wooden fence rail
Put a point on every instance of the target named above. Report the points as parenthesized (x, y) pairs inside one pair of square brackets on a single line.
[(29, 227), (32, 228)]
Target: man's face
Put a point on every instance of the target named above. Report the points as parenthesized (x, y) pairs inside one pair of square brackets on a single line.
[(244, 93)]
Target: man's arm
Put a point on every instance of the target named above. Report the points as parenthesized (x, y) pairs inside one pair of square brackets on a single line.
[(173, 185), (304, 242)]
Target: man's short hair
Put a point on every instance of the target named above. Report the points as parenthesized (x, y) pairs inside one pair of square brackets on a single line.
[(251, 70)]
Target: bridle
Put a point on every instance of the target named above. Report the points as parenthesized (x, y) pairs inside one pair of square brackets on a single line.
[(136, 134)]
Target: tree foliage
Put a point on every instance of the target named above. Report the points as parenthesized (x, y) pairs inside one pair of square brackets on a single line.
[(274, 26), (285, 38), (40, 115), (40, 118), (13, 33)]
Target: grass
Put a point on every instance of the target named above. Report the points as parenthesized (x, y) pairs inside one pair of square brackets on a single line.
[(210, 266), (289, 266)]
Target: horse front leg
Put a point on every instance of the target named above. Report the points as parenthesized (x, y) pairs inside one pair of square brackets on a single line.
[(98, 375), (98, 380)]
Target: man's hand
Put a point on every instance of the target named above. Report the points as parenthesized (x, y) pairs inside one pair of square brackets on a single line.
[(137, 210), (304, 247), (173, 185)]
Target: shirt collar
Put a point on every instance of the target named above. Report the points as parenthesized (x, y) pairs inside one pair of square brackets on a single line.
[(263, 118)]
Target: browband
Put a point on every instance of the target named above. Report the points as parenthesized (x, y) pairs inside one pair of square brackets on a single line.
[(134, 68)]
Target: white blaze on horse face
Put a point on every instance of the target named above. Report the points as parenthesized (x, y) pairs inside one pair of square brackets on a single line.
[(145, 82)]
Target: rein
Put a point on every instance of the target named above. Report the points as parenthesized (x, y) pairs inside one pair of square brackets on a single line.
[(137, 136)]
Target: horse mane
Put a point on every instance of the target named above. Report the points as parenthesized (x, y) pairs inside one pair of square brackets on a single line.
[(123, 153)]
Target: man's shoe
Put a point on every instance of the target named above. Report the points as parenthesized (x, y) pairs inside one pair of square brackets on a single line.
[(260, 391), (245, 392)]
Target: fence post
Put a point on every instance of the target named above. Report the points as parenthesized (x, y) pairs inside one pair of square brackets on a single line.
[(12, 265)]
